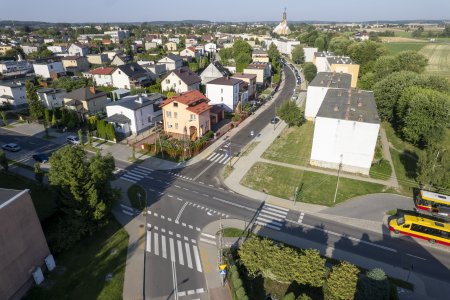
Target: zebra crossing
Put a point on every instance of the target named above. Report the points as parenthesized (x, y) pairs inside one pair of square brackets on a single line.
[(272, 216), (184, 251), (217, 157), (136, 174)]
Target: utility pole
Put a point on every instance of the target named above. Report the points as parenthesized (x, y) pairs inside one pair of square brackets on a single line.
[(219, 253), (229, 152), (337, 183)]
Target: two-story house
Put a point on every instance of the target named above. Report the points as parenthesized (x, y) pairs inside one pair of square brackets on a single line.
[(13, 93), (260, 56), (130, 76), (78, 49), (213, 71), (263, 72), (97, 59), (121, 59), (250, 79), (49, 68), (171, 61), (52, 98), (190, 52), (101, 76), (186, 115), (181, 80), (134, 114), (86, 101), (224, 92), (74, 64)]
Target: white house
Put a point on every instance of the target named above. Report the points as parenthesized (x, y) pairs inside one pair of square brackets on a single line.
[(12, 66), (319, 87), (78, 49), (13, 93), (224, 91), (28, 49), (309, 53), (171, 61), (190, 52), (210, 47), (101, 76), (263, 72), (49, 68), (134, 114), (284, 46), (52, 98), (181, 80), (213, 71), (57, 49), (130, 76), (117, 36), (346, 131)]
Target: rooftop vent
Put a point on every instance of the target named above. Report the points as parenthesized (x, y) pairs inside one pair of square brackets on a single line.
[(360, 118)]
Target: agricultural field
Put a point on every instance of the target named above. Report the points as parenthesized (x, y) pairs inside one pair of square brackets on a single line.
[(396, 47), (438, 59)]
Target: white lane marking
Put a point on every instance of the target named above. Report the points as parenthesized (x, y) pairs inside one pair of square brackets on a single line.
[(179, 199), (214, 155), (139, 173), (178, 235), (151, 190), (129, 180), (149, 212), (127, 212), (208, 235), (196, 228), (267, 225), (177, 186), (163, 230), (181, 294), (181, 211), (208, 241), (234, 204), (149, 225), (170, 196), (201, 182), (172, 250), (186, 238), (195, 192), (156, 246), (155, 214), (197, 259), (170, 232), (188, 255), (169, 219), (130, 174), (190, 227), (156, 227), (276, 207), (223, 159), (183, 224), (276, 214), (180, 253), (191, 292), (144, 168), (227, 160), (163, 246), (193, 241), (269, 221), (149, 241), (199, 291), (418, 257), (175, 281), (162, 217)]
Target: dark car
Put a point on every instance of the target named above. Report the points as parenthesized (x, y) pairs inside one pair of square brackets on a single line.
[(41, 157), (274, 120), (11, 147)]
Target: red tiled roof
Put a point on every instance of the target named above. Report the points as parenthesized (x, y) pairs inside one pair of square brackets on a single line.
[(199, 108), (195, 100), (191, 48), (102, 71)]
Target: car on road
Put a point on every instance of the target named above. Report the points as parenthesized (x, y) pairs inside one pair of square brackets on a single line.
[(11, 147), (252, 133), (274, 120), (73, 140), (41, 157)]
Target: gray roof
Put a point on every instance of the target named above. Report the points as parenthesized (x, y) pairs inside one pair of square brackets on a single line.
[(323, 54), (84, 94), (349, 104), (133, 70), (186, 75), (138, 101), (225, 81), (332, 80), (224, 71), (118, 118), (51, 91), (174, 57), (7, 194), (339, 60)]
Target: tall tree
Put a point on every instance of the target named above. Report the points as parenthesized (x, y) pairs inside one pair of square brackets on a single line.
[(310, 71), (339, 45), (411, 61), (319, 43), (341, 284), (273, 53), (291, 113), (298, 54), (373, 286), (433, 168), (365, 53), (34, 104)]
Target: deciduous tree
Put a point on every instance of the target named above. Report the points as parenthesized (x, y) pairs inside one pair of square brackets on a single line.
[(291, 113), (433, 168), (374, 286), (298, 54), (3, 161), (341, 284), (310, 71)]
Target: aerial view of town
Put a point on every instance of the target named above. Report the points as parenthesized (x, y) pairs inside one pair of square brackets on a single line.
[(244, 150)]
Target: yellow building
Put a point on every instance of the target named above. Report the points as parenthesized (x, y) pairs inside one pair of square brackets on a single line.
[(171, 46), (348, 68), (4, 48)]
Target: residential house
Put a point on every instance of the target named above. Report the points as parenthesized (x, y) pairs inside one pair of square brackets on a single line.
[(224, 92), (52, 98), (155, 70), (284, 46), (13, 93), (171, 61), (211, 48), (190, 52), (111, 54), (117, 36), (28, 49), (86, 101), (121, 59), (328, 62), (24, 251), (213, 71), (97, 59), (74, 64), (187, 115), (57, 49), (17, 67), (318, 88), (130, 76), (134, 114), (181, 80), (150, 45), (5, 48), (78, 49), (175, 40), (191, 42), (250, 79), (260, 56), (101, 76), (346, 131), (263, 72), (49, 68), (171, 46)]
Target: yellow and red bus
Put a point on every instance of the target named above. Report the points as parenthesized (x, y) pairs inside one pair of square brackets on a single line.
[(431, 229), (433, 202)]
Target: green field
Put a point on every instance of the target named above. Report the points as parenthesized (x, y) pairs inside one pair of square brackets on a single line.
[(313, 187), (438, 59), (394, 48)]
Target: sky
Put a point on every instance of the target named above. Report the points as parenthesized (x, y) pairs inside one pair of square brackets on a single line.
[(219, 11)]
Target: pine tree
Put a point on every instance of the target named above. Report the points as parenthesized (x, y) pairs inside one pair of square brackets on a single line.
[(341, 285), (53, 120), (35, 106)]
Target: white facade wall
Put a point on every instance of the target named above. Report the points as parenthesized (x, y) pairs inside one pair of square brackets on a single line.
[(355, 141), (322, 64), (314, 99), (44, 70), (52, 100), (120, 80), (141, 119), (17, 92), (210, 47), (225, 95), (103, 80), (309, 53), (76, 50), (57, 49)]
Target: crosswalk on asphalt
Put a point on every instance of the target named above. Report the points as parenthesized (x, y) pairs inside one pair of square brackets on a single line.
[(218, 157), (183, 251), (272, 216), (136, 174)]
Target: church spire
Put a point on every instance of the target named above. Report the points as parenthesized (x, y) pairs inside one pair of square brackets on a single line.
[(284, 14)]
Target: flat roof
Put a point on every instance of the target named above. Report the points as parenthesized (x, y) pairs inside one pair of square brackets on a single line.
[(8, 195), (349, 104), (332, 80)]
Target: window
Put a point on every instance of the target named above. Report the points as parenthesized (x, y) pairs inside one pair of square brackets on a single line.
[(193, 117), (176, 125), (175, 115), (179, 82), (51, 67), (175, 104), (120, 72), (221, 91), (168, 125), (149, 119), (169, 114), (168, 81), (221, 98)]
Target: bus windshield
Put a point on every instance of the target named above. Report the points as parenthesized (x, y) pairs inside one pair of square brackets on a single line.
[(401, 221)]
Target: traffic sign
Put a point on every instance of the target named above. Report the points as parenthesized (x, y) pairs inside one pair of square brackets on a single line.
[(222, 267), (223, 272)]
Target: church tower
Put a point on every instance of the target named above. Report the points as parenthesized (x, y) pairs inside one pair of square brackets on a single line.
[(283, 28)]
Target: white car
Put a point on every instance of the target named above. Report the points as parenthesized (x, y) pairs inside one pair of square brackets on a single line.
[(73, 140)]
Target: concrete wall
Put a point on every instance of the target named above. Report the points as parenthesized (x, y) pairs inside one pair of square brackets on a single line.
[(322, 64), (356, 142), (309, 53), (314, 99)]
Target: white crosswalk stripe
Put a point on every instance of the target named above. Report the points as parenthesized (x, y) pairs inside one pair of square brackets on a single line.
[(221, 158), (136, 174), (272, 216)]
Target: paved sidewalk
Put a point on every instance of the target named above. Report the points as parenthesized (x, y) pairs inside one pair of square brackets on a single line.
[(387, 155)]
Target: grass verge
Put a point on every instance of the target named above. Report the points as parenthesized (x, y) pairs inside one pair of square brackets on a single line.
[(86, 266), (249, 148), (315, 188), (137, 196), (227, 171), (235, 232), (381, 170)]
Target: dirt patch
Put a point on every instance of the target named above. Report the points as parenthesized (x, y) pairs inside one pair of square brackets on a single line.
[(397, 39)]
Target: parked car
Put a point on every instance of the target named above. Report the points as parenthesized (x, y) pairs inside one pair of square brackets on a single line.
[(11, 147), (274, 120), (41, 157), (73, 140)]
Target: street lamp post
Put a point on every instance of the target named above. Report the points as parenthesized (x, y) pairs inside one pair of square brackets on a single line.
[(337, 183)]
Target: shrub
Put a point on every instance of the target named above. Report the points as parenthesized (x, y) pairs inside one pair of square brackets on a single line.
[(289, 296), (303, 297), (240, 293)]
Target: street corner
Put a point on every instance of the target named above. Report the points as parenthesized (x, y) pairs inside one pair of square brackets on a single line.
[(208, 258)]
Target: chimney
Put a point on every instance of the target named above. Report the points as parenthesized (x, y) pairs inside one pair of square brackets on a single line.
[(360, 118), (139, 99), (92, 89)]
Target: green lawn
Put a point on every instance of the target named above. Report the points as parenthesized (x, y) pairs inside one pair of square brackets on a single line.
[(394, 48), (86, 266), (235, 232), (137, 196), (249, 148), (293, 146), (43, 200), (313, 187), (381, 170)]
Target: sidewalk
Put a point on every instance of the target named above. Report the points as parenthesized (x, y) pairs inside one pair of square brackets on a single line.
[(387, 155)]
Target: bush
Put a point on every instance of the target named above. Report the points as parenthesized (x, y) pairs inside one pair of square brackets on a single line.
[(373, 286), (303, 297), (240, 293), (289, 296), (237, 283)]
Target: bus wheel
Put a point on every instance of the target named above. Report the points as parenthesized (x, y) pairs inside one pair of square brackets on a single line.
[(396, 231), (432, 241)]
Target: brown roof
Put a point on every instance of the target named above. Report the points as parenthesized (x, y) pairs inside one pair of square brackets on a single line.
[(242, 75), (84, 94), (199, 108), (225, 81), (197, 102), (186, 75), (102, 71)]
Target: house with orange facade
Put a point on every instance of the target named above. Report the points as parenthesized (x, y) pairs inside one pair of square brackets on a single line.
[(187, 115)]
